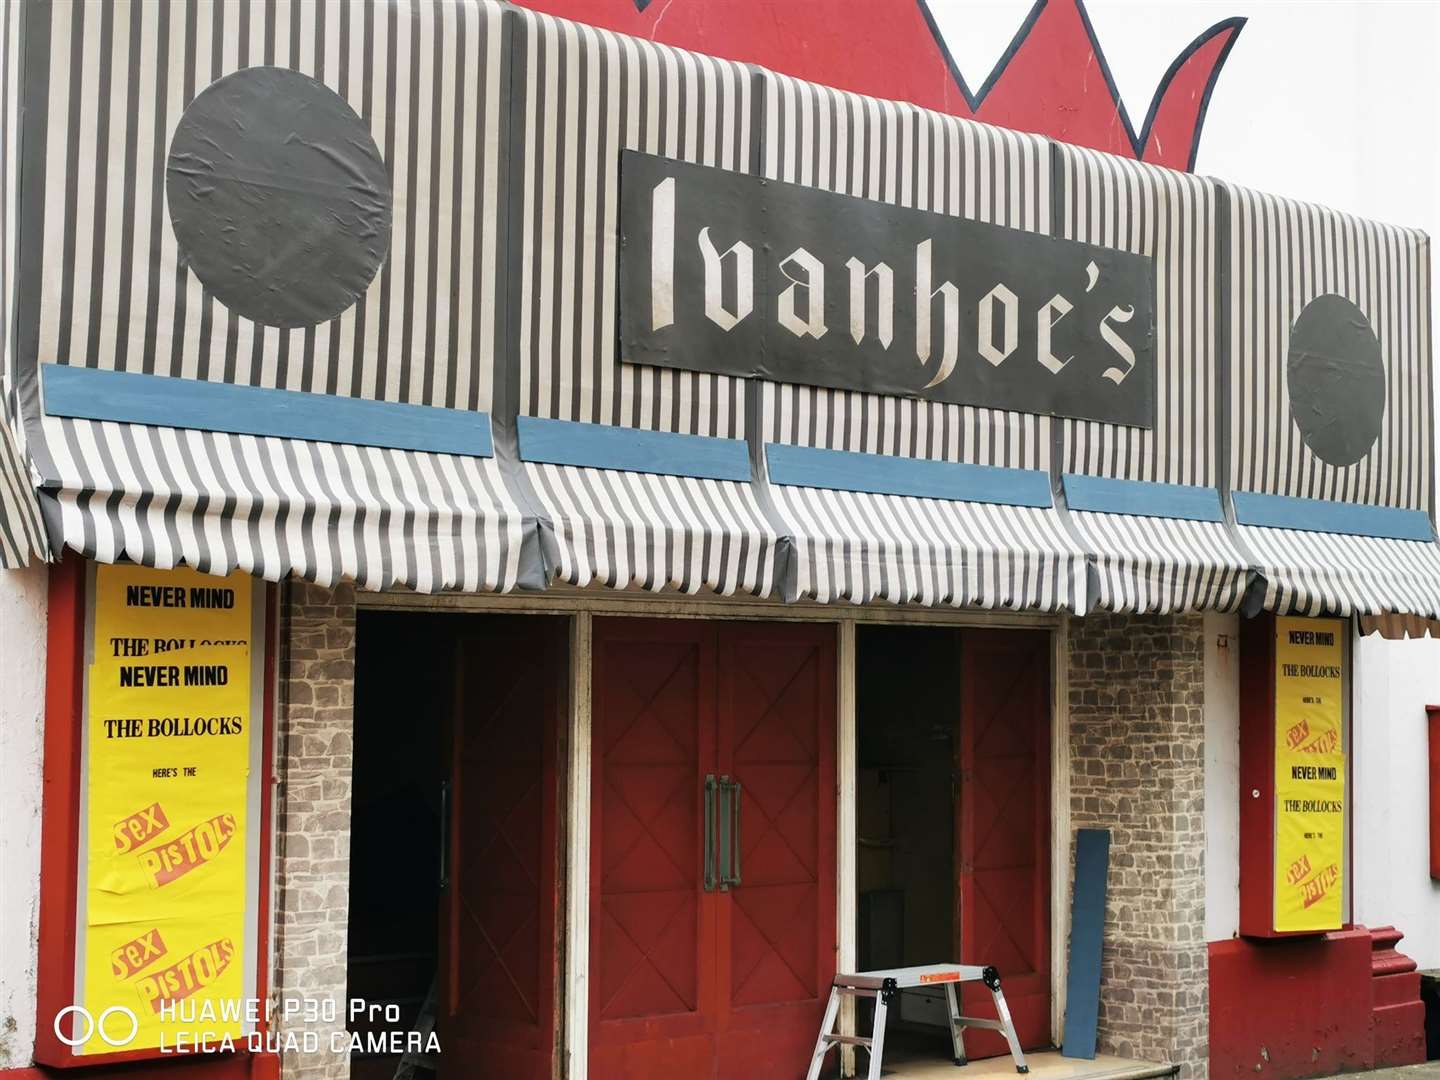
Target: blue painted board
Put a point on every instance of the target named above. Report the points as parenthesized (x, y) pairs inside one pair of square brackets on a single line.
[(164, 401), (1321, 515), (1107, 495), (603, 446), (1087, 929), (884, 474)]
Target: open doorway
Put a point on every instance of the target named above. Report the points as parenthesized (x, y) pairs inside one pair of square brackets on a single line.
[(953, 823), (907, 686), (454, 883)]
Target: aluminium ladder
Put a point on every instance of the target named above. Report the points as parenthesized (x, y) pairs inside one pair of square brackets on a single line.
[(884, 985)]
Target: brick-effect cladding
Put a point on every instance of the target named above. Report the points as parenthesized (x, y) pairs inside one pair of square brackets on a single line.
[(1137, 767), (312, 888)]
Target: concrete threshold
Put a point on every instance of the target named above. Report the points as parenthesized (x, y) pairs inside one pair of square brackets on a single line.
[(1046, 1065)]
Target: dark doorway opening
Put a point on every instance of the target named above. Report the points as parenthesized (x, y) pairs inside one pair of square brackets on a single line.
[(953, 815), (907, 689), (454, 876), (402, 692)]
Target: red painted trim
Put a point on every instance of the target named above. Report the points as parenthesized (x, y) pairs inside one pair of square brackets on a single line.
[(1257, 774), (1433, 716), (271, 597), (60, 833), (59, 825)]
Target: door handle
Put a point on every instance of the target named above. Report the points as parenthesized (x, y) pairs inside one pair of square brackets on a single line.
[(729, 829), (444, 834), (711, 872)]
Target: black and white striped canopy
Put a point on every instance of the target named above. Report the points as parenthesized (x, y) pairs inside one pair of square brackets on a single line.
[(497, 136)]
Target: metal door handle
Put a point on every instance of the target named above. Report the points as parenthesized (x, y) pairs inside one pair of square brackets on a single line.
[(710, 860), (729, 841), (444, 834)]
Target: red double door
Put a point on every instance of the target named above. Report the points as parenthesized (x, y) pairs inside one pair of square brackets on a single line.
[(713, 847)]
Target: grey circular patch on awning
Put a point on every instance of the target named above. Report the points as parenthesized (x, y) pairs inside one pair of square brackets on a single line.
[(1336, 380), (279, 198)]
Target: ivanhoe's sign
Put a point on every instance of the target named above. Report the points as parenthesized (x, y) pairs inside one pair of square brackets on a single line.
[(730, 273)]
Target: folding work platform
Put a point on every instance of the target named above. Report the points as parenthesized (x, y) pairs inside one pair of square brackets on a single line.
[(884, 985)]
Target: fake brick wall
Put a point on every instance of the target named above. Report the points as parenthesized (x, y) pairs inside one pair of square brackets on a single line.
[(1137, 767), (313, 750)]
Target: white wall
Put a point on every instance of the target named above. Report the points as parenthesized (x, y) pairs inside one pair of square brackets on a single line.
[(1394, 681), (22, 709), (1222, 776)]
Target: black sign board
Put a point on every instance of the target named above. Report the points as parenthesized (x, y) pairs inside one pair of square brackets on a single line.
[(730, 273)]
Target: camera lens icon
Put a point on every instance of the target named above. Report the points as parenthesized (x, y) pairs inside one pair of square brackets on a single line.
[(90, 1025)]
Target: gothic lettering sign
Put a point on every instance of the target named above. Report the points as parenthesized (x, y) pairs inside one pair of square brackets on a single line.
[(730, 273)]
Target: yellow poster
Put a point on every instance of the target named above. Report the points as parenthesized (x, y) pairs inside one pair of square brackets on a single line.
[(167, 780), (1309, 773)]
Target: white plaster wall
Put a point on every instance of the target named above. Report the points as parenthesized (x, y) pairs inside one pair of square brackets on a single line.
[(1394, 681), (1222, 776), (22, 709)]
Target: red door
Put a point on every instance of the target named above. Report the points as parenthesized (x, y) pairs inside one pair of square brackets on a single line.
[(1003, 831), (719, 981), (498, 910)]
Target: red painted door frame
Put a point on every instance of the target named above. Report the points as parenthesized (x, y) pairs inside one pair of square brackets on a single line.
[(728, 705)]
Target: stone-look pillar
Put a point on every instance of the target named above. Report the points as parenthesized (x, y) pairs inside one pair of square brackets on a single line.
[(313, 752), (1137, 767)]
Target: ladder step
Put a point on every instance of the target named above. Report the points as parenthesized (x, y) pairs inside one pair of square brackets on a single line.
[(848, 1040)]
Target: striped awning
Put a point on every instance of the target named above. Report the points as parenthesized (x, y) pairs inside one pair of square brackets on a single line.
[(22, 534), (277, 507), (861, 546), (655, 509), (1155, 565), (1156, 548), (1313, 573), (658, 532)]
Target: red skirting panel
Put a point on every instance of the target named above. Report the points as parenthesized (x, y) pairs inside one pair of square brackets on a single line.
[(1434, 718), (1291, 1008)]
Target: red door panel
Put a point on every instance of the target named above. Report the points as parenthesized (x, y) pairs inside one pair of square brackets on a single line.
[(1003, 832), (684, 982), (497, 995), (777, 728), (651, 923)]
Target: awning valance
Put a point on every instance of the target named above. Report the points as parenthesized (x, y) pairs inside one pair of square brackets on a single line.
[(1157, 565), (277, 507), (903, 549), (657, 509), (910, 530), (659, 532), (1310, 573), (22, 534)]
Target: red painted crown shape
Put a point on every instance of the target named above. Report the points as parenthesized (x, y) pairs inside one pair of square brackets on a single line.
[(1052, 80)]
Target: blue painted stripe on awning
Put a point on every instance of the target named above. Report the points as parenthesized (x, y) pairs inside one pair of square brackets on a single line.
[(603, 446), (1107, 495), (164, 401), (1321, 515), (884, 474)]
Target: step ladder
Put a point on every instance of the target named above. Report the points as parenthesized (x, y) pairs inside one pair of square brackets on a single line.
[(415, 1061), (885, 985)]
